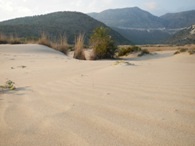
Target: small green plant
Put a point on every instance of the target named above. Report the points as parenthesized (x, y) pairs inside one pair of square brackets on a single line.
[(8, 85)]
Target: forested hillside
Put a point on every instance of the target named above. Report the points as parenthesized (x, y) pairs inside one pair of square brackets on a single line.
[(56, 24)]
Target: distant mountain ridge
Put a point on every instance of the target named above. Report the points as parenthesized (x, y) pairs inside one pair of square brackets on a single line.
[(55, 24), (178, 20), (135, 17), (142, 27), (128, 18), (185, 36)]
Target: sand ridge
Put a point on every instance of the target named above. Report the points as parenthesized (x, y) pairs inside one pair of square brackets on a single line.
[(63, 101)]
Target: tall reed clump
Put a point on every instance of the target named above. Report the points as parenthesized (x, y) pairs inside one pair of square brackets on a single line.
[(61, 45), (44, 40), (13, 39), (79, 45)]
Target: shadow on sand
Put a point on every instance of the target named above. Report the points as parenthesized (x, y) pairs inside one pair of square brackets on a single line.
[(17, 91)]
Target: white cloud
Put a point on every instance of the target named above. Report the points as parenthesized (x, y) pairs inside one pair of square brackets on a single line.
[(88, 6), (151, 5), (12, 9), (6, 6)]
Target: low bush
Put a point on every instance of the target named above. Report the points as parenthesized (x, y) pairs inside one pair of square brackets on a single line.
[(125, 51), (144, 52), (102, 44), (181, 50)]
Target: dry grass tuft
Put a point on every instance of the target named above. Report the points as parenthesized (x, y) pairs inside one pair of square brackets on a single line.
[(15, 40), (10, 39), (3, 39), (61, 45), (79, 45), (44, 40)]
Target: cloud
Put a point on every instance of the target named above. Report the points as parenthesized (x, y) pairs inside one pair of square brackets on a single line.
[(151, 5), (11, 9), (90, 6), (6, 6)]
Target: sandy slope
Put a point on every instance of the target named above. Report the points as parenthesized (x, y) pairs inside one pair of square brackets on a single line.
[(62, 101)]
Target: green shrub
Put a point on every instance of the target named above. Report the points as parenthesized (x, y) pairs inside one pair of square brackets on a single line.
[(102, 44)]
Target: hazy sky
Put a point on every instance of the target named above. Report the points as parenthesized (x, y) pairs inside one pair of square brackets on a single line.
[(18, 8)]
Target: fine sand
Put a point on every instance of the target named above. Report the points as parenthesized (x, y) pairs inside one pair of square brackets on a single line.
[(60, 101)]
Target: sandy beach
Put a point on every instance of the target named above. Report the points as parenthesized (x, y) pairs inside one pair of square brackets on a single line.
[(60, 101)]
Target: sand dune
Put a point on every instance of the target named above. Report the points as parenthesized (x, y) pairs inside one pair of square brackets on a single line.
[(62, 101)]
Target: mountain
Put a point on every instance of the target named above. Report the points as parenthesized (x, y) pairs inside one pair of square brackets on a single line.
[(141, 27), (144, 36), (55, 24), (128, 18), (179, 20), (185, 36)]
